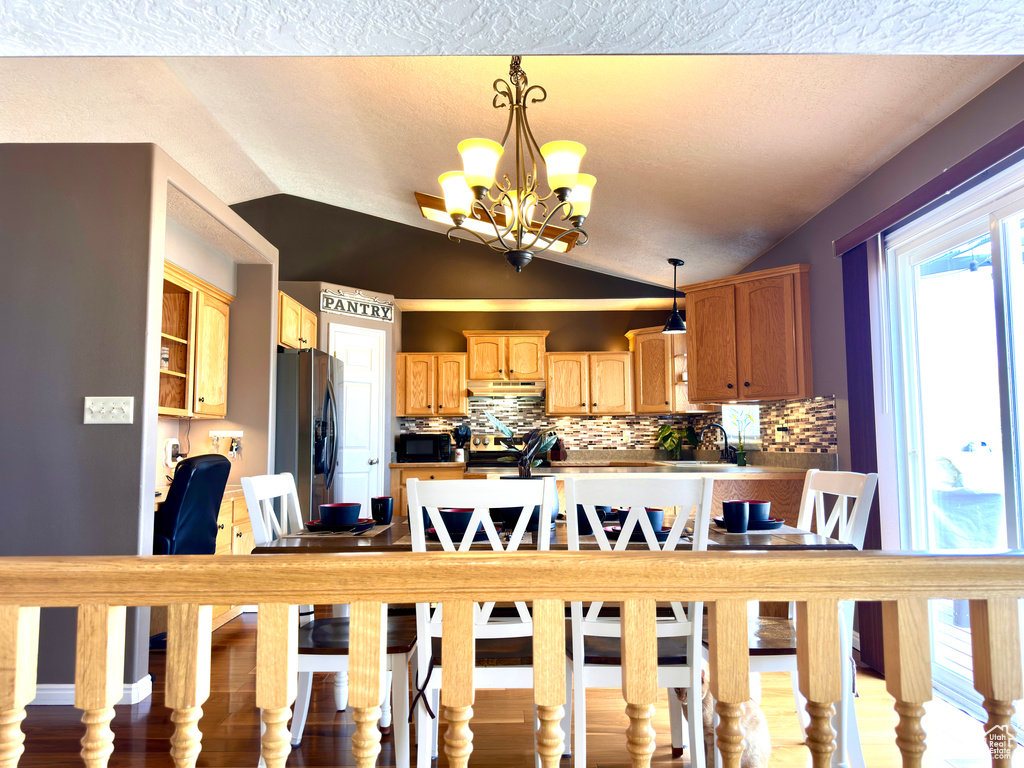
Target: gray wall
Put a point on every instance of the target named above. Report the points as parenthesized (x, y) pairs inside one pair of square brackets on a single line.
[(75, 247), (996, 110)]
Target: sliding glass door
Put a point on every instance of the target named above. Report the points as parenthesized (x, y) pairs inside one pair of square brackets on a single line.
[(956, 308)]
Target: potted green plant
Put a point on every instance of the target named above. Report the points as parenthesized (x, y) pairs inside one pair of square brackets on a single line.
[(741, 423), (675, 439), (534, 442)]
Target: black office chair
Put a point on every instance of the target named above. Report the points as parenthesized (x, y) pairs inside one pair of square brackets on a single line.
[(187, 521)]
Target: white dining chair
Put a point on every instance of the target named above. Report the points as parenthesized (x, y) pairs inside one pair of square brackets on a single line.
[(504, 649), (273, 505), (595, 648), (834, 504)]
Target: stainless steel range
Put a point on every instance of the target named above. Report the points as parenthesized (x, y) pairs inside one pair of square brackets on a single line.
[(488, 450)]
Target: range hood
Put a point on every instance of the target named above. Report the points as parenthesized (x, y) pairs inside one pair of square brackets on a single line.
[(506, 388)]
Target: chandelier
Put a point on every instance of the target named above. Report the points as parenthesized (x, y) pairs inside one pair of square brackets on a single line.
[(515, 216)]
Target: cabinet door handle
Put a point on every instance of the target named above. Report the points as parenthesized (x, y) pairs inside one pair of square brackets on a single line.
[(594, 405), (202, 399), (220, 526), (746, 383), (238, 535), (666, 402), (511, 370), (431, 477), (440, 407), (728, 386), (583, 405), (501, 370)]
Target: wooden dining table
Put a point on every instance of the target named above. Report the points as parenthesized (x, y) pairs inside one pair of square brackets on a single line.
[(396, 537)]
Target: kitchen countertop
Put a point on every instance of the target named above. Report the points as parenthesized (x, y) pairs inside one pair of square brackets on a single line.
[(425, 464)]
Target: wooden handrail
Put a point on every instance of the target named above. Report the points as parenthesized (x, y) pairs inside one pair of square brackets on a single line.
[(101, 588), (568, 576)]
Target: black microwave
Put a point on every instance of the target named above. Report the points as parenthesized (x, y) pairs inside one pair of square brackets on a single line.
[(425, 447)]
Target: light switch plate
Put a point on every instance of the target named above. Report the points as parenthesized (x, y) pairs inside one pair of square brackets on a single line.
[(109, 410)]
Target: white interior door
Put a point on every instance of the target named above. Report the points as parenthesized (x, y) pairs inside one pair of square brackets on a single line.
[(360, 475)]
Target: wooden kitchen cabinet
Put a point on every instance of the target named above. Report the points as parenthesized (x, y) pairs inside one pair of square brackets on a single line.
[(431, 385), (611, 383), (194, 327), (211, 387), (234, 537), (660, 372), (296, 325), (597, 383), (400, 474), (307, 338), (749, 336), (567, 384), (505, 355)]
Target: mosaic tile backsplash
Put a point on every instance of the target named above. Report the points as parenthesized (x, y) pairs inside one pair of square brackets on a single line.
[(811, 424)]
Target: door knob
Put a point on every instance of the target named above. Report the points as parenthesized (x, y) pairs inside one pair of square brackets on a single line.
[(371, 462)]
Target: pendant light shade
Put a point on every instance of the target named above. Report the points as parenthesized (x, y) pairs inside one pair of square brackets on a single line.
[(675, 323)]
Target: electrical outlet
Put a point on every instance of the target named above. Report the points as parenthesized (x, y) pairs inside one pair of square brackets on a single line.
[(109, 410), (782, 434)]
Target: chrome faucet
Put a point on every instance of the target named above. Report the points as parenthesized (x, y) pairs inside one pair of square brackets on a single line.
[(728, 453)]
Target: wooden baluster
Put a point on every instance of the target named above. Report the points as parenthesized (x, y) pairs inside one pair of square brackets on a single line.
[(19, 646), (908, 671), (995, 637), (99, 677), (730, 675), (549, 678), (366, 663), (188, 677), (819, 657), (277, 646), (457, 694), (639, 676)]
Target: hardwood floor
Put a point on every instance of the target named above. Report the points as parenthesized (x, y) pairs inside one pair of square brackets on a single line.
[(502, 724)]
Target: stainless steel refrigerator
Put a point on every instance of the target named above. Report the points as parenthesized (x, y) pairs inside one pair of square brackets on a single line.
[(308, 443)]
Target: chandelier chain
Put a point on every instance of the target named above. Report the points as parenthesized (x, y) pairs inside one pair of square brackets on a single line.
[(515, 71)]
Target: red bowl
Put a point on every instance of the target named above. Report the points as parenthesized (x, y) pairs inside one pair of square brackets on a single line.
[(345, 513)]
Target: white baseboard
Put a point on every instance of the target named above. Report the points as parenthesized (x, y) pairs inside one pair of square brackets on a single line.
[(63, 694)]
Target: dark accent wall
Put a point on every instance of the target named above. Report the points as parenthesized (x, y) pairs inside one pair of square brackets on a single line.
[(980, 121), (324, 243), (75, 244), (570, 331)]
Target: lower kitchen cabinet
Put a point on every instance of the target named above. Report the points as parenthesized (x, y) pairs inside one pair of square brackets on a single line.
[(400, 473), (234, 537)]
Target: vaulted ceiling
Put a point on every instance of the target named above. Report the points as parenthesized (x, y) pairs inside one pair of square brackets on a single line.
[(709, 158)]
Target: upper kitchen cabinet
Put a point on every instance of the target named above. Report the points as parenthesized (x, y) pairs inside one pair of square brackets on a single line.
[(660, 372), (505, 355), (194, 331), (567, 384), (749, 336), (596, 383), (431, 385), (296, 325)]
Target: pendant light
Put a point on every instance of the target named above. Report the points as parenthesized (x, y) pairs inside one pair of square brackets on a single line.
[(675, 323)]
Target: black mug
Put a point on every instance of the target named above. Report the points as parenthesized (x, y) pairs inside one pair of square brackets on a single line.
[(736, 514), (382, 507)]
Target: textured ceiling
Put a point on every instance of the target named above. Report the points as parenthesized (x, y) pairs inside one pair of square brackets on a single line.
[(709, 158), (460, 27)]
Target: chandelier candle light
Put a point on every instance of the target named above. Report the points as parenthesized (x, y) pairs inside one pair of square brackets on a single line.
[(502, 214)]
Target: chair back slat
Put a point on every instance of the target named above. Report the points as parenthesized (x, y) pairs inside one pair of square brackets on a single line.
[(261, 493), (481, 496), (690, 494), (847, 519)]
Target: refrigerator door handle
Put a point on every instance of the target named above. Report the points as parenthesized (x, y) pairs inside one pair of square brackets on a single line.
[(332, 437)]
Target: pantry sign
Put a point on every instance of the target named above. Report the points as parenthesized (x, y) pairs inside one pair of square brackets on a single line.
[(357, 304)]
